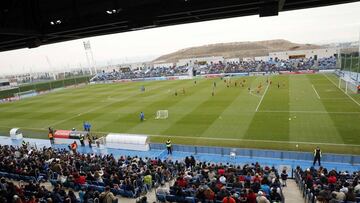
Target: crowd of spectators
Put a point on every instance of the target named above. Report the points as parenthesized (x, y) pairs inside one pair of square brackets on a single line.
[(145, 73), (330, 186), (208, 182), (220, 67), (201, 180), (132, 174)]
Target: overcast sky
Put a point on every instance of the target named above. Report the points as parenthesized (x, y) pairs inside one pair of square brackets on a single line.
[(339, 23)]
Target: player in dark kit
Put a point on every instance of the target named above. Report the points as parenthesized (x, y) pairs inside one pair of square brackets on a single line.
[(142, 116)]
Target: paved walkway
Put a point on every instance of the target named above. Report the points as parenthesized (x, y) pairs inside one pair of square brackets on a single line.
[(292, 193)]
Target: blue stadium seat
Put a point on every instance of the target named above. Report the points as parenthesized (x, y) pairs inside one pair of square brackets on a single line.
[(100, 189), (171, 198), (161, 197), (190, 200)]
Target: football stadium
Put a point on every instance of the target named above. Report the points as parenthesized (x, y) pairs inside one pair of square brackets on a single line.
[(207, 118)]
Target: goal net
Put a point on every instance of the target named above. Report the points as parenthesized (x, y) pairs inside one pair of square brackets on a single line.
[(348, 85), (162, 114), (25, 94)]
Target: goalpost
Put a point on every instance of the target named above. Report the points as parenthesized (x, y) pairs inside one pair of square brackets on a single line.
[(162, 114), (25, 94), (348, 85)]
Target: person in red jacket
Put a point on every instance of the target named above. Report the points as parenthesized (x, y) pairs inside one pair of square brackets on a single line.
[(81, 179), (181, 182), (251, 197), (332, 178), (228, 199)]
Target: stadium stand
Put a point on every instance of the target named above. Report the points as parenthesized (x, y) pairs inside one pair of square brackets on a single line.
[(129, 177), (221, 67), (323, 185)]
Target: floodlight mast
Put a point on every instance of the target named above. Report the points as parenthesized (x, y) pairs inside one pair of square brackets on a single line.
[(88, 53)]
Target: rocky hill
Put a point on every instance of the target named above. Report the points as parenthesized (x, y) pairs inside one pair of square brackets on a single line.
[(235, 50)]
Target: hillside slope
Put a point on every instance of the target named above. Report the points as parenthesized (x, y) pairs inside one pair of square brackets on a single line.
[(235, 50)]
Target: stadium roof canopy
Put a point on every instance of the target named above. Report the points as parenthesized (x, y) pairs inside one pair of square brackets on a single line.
[(31, 23)]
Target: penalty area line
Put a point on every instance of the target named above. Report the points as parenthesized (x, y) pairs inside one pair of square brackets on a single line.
[(257, 108), (317, 94)]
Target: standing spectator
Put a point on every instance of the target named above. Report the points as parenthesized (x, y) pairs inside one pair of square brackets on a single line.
[(192, 161), (107, 196), (317, 155), (51, 135), (284, 177), (73, 147), (168, 146), (89, 140), (82, 137), (187, 162)]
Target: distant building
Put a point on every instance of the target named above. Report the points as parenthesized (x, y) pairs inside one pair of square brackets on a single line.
[(232, 60), (200, 61), (248, 59), (4, 84), (262, 58), (167, 65), (311, 53)]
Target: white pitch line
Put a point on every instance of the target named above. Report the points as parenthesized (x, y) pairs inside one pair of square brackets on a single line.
[(342, 90), (257, 108), (310, 112), (317, 94), (229, 139)]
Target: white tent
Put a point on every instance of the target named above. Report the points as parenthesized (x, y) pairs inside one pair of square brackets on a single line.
[(127, 141)]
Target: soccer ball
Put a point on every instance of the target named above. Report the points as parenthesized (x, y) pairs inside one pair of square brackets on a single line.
[(289, 119)]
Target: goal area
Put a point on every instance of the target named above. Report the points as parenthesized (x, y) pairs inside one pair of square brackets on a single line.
[(162, 114)]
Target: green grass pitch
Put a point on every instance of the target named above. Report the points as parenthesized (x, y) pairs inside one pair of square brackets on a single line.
[(306, 111)]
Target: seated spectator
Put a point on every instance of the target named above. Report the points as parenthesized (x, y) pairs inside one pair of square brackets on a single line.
[(275, 196), (107, 196), (261, 198), (228, 199), (357, 188)]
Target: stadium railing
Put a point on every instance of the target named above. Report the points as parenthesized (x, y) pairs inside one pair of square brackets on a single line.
[(254, 153)]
